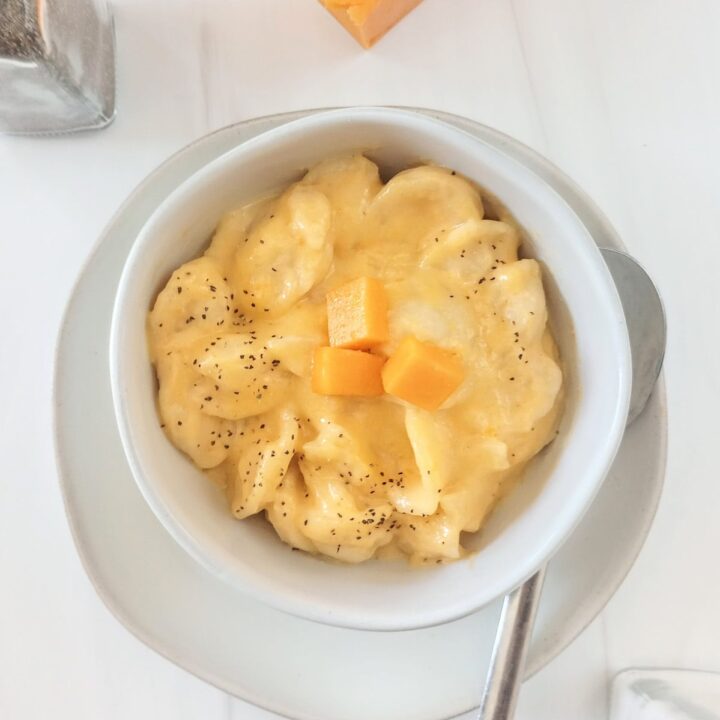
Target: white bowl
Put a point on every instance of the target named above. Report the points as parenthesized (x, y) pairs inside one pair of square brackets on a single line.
[(527, 527)]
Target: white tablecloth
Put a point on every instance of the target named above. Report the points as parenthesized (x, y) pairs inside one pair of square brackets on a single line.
[(624, 96)]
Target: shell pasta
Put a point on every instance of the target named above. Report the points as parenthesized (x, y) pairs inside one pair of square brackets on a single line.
[(400, 429)]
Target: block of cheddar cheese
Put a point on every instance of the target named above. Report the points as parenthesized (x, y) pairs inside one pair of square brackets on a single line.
[(338, 371), (357, 314), (422, 373), (368, 20)]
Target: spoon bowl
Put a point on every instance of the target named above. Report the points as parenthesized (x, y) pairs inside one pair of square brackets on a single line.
[(647, 328)]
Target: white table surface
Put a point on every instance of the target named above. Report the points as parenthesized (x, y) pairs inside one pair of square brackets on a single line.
[(623, 95)]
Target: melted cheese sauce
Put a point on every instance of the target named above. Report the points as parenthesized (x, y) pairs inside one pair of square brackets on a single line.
[(233, 332)]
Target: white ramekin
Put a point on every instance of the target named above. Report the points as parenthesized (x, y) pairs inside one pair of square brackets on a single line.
[(527, 527)]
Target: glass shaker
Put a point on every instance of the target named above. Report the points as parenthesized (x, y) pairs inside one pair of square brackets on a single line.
[(57, 70), (665, 694)]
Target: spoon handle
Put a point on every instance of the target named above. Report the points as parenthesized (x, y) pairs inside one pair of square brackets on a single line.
[(507, 664)]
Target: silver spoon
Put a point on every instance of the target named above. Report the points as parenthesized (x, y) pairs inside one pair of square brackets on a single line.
[(645, 319)]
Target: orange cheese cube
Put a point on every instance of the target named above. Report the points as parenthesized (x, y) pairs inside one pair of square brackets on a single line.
[(368, 20), (337, 371), (357, 314), (422, 373)]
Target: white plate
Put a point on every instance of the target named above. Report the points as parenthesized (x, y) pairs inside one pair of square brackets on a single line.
[(294, 667)]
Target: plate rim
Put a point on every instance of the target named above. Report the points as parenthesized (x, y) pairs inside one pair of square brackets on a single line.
[(156, 644)]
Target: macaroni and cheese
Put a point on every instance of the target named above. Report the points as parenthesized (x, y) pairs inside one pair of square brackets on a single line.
[(367, 364)]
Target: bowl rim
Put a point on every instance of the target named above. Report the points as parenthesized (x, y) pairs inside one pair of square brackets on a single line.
[(263, 591)]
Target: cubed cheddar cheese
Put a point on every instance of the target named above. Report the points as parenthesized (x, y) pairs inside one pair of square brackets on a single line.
[(368, 20), (357, 314), (338, 371), (422, 373)]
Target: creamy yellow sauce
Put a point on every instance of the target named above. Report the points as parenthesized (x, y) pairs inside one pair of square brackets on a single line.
[(232, 337)]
